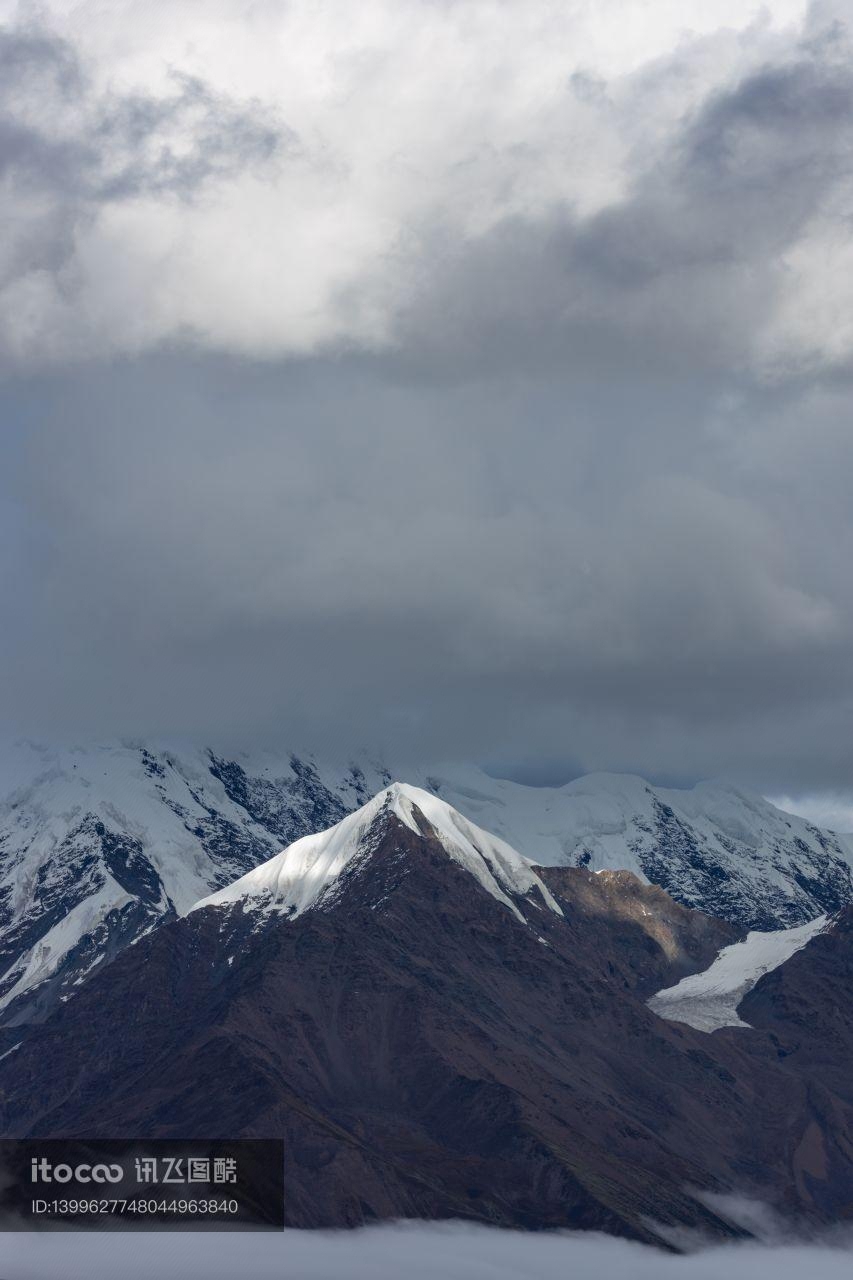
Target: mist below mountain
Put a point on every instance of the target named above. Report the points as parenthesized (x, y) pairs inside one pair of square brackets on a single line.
[(417, 1250)]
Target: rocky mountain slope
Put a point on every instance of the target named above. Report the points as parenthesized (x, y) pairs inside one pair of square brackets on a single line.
[(99, 845), (440, 1030)]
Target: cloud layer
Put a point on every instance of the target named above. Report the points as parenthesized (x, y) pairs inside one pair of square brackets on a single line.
[(275, 180), (421, 1251), (447, 378)]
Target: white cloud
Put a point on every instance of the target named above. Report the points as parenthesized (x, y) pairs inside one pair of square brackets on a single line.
[(420, 1251), (833, 811), (402, 116)]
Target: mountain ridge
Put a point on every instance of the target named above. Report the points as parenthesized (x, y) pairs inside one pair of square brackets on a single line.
[(304, 873), (99, 845), (425, 1055)]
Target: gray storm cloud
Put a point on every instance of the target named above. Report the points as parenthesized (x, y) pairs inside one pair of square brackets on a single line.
[(456, 380)]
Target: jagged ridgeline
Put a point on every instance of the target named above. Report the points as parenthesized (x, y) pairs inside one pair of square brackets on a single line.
[(100, 845), (438, 1027)]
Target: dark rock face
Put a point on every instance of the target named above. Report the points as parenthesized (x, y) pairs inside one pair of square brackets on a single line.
[(426, 1053), (655, 939), (287, 808), (805, 1005), (804, 1008)]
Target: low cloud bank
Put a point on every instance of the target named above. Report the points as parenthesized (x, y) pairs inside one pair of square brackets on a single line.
[(452, 1251)]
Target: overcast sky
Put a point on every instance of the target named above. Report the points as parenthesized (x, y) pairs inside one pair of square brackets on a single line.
[(460, 378)]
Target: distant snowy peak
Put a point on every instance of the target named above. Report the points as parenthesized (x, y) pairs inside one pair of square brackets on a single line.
[(713, 846), (101, 843), (709, 1000), (308, 872)]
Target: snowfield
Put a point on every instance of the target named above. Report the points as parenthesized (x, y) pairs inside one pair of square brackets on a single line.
[(709, 1000)]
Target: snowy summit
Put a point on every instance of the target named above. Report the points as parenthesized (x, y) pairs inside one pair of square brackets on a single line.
[(299, 877)]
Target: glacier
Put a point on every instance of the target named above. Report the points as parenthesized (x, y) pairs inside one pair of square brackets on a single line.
[(709, 1000)]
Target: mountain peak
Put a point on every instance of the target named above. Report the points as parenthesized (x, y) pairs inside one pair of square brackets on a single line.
[(301, 875)]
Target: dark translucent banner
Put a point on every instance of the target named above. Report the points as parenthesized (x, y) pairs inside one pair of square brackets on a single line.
[(157, 1185)]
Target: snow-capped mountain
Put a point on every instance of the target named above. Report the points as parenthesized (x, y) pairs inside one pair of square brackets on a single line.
[(309, 872), (438, 1029), (98, 845), (713, 846)]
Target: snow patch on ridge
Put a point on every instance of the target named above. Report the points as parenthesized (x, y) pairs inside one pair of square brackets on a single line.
[(38, 964), (302, 874), (89, 832), (709, 1000)]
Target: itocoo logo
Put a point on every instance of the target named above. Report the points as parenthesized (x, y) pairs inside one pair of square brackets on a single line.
[(43, 1171)]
